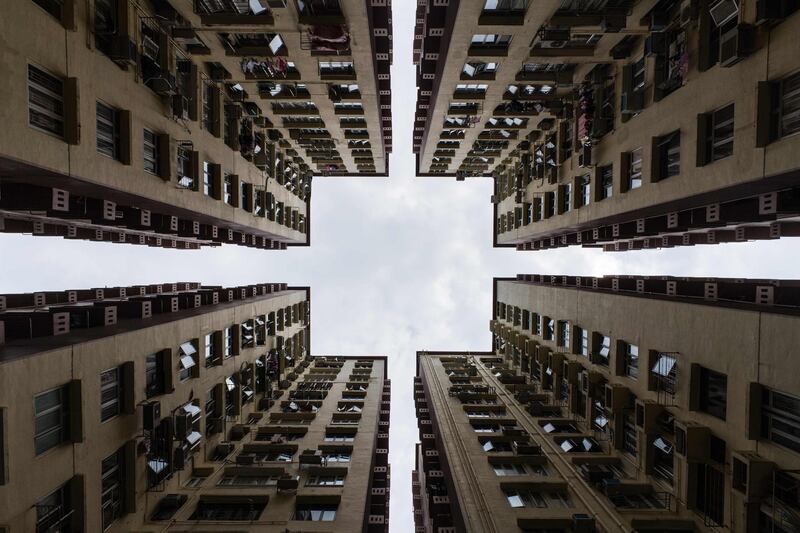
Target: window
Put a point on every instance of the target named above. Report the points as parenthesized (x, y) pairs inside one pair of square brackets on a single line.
[(606, 189), (110, 394), (584, 190), (471, 89), (244, 194), (550, 204), (111, 487), (530, 498), (231, 396), (54, 7), (211, 410), (630, 439), (336, 67), (108, 131), (154, 374), (210, 350), (582, 338), (325, 480), (339, 437), (634, 169), (710, 41), (236, 509), (780, 418), (566, 198), (227, 342), (337, 457), (208, 180), (663, 375), (242, 480), (490, 41), (54, 511), (150, 152), (602, 349), (475, 69), (713, 392), (51, 420), (517, 469), (788, 108), (630, 363), (186, 175), (549, 328), (667, 156), (638, 70), (563, 333), (106, 24), (45, 101), (504, 6), (187, 355), (209, 108), (227, 189), (715, 135), (537, 324), (315, 512)]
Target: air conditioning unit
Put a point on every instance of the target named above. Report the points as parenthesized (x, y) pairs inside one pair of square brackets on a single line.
[(736, 44), (631, 102), (552, 44), (613, 23), (751, 476), (723, 11), (771, 11), (692, 441), (554, 36), (582, 523), (183, 424), (245, 459), (164, 84), (179, 459), (151, 415), (122, 50), (659, 20), (647, 412), (288, 483), (689, 11), (617, 396), (180, 106)]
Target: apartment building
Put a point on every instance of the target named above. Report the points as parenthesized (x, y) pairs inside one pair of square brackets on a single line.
[(187, 123), (619, 403), (181, 407), (618, 124)]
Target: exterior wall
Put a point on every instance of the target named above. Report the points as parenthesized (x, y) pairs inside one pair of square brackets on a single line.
[(540, 381), (721, 201), (48, 362), (32, 156), (695, 186)]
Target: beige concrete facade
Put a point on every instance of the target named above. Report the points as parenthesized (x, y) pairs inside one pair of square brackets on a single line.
[(175, 69), (654, 404), (262, 439), (601, 90)]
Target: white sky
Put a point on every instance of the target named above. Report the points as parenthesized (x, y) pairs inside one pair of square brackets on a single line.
[(395, 266)]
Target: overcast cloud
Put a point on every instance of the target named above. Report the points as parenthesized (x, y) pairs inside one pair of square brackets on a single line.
[(395, 266)]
